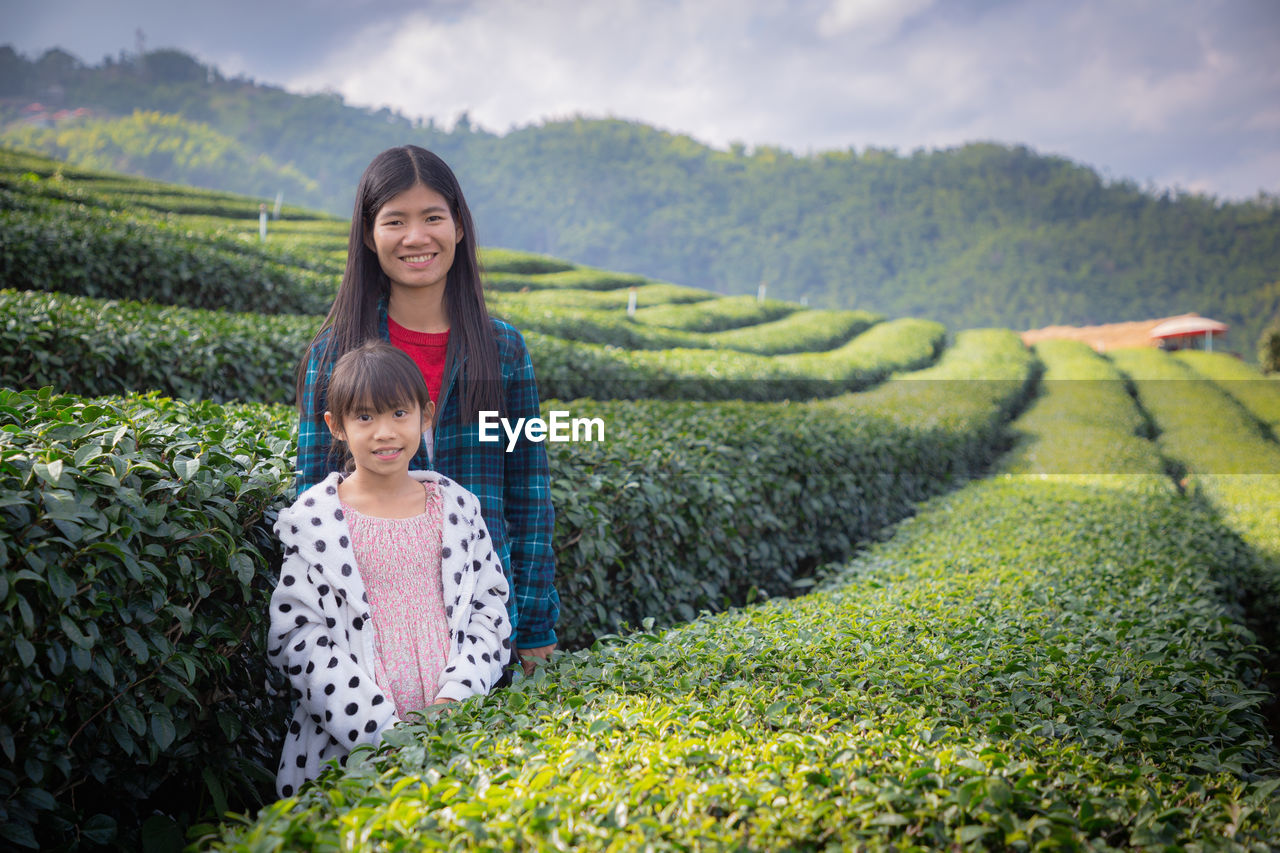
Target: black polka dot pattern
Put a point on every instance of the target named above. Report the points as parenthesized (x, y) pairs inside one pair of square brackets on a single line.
[(323, 637)]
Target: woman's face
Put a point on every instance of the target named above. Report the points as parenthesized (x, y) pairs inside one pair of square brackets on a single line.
[(414, 236)]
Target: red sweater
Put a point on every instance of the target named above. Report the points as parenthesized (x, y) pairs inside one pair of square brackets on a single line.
[(427, 349)]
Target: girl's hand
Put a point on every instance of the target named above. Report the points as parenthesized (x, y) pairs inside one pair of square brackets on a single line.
[(442, 701)]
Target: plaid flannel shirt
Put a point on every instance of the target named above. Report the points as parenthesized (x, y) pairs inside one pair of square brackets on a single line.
[(514, 487)]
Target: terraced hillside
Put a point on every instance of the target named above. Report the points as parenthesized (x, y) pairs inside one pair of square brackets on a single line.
[(1057, 656)]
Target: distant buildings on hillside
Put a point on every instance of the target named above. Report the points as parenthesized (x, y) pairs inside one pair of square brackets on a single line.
[(1185, 331)]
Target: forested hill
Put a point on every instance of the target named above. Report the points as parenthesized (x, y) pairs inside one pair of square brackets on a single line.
[(985, 234)]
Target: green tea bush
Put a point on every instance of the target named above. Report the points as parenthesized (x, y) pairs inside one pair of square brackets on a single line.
[(567, 370), (117, 191), (586, 278), (522, 263), (112, 255), (1233, 464), (42, 195), (804, 331), (766, 492), (605, 300), (1084, 423), (135, 554), (1259, 394), (1231, 441), (94, 347), (1026, 664), (716, 315)]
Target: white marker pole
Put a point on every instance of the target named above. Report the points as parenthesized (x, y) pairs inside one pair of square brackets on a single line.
[(631, 302), (760, 292), (262, 222)]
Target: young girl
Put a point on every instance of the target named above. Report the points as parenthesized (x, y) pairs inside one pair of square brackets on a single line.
[(413, 278), (391, 597)]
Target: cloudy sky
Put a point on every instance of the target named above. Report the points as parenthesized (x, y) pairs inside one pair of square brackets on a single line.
[(1167, 93)]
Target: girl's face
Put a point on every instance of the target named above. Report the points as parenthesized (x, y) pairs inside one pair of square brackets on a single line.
[(414, 236), (381, 443)]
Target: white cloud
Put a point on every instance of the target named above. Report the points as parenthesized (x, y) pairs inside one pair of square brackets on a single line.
[(870, 20), (1122, 88)]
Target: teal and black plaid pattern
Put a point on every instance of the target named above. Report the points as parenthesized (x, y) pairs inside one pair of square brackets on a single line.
[(514, 487)]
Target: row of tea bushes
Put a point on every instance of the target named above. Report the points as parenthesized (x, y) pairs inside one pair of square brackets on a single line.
[(654, 293), (716, 315), (116, 191), (91, 346), (137, 555), (574, 278), (94, 347), (766, 493), (803, 331), (1085, 423), (56, 197), (568, 370), (1200, 423), (1232, 462), (134, 561), (1027, 664), (1257, 393), (90, 252)]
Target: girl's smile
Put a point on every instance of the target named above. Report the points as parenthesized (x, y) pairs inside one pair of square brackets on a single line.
[(382, 443)]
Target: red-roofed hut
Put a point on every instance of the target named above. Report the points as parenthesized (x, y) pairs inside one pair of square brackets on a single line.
[(1187, 332)]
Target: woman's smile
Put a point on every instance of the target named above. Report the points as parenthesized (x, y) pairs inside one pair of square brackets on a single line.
[(415, 236)]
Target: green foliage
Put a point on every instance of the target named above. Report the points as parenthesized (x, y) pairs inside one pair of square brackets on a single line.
[(123, 516), (802, 331), (1084, 424), (93, 347), (1027, 664), (1233, 465), (575, 278), (605, 300), (686, 507), (1269, 347), (136, 552), (55, 179), (1177, 397), (86, 251), (1259, 395), (716, 315), (165, 148), (567, 370), (520, 263)]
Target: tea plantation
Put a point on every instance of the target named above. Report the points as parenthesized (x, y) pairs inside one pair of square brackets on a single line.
[(831, 581)]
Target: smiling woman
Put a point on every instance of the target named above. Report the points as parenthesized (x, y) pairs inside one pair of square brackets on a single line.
[(413, 278), (414, 236)]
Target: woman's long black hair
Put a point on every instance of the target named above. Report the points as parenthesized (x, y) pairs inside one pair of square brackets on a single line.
[(353, 318)]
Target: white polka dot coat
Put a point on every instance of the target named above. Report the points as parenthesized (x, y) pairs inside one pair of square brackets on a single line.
[(322, 638)]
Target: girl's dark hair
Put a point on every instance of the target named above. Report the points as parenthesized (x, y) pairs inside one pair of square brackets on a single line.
[(353, 318), (375, 376)]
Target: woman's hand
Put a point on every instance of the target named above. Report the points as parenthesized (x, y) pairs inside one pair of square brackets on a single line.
[(442, 701), (531, 658)]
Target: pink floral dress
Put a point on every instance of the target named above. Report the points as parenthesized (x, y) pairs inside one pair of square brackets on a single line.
[(399, 560)]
